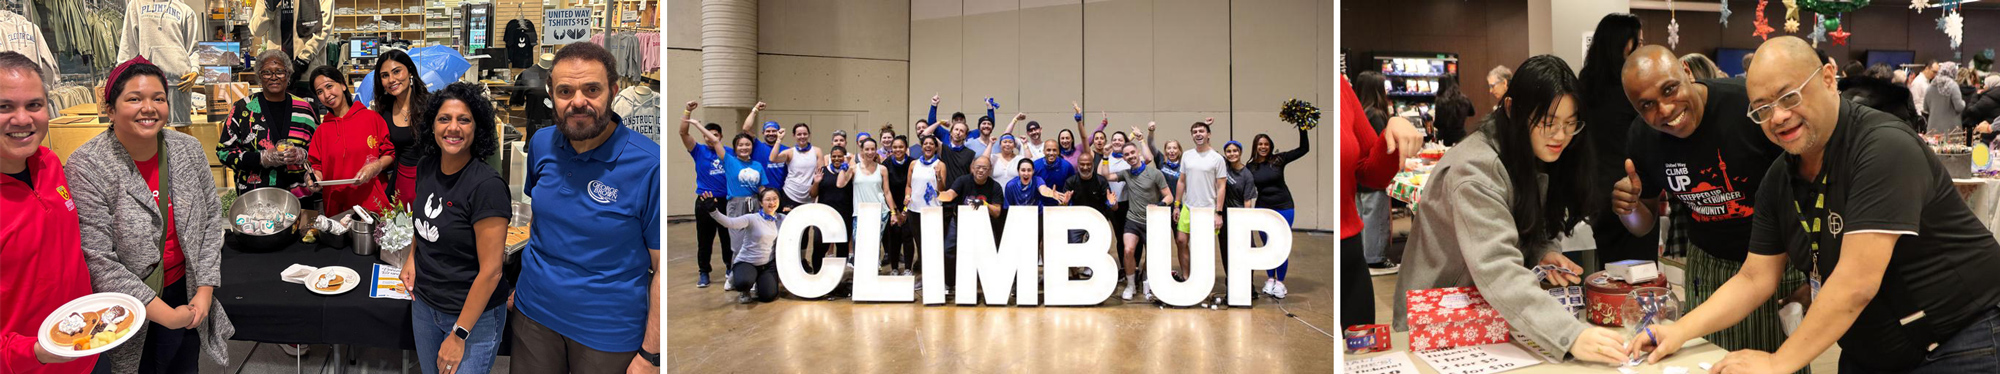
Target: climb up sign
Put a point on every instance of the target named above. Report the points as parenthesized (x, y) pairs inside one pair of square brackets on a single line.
[(565, 26)]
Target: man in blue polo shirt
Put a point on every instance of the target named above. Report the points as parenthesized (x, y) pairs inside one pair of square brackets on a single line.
[(587, 300)]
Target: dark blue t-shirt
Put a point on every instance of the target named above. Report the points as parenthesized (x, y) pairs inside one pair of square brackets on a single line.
[(708, 172)]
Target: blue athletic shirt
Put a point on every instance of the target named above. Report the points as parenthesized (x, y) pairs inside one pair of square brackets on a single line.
[(587, 268)]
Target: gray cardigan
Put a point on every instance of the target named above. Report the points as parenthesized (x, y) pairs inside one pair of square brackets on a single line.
[(120, 230), (1946, 102), (1464, 236)]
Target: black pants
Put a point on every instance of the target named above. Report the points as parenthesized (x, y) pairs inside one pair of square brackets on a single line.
[(169, 350), (765, 277), (1357, 292), (709, 231), (899, 241), (820, 248)]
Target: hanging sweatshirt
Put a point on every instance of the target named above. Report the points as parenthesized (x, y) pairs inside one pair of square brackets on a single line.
[(640, 110), (24, 37), (164, 31)]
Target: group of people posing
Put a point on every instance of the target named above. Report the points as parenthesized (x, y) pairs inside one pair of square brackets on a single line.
[(1786, 189), (747, 184), (136, 211)]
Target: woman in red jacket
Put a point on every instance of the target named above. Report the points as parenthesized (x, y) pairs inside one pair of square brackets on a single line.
[(1366, 160), (354, 143), (41, 253)]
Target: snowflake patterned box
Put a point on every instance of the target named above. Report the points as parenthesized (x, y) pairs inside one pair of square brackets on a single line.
[(1453, 317)]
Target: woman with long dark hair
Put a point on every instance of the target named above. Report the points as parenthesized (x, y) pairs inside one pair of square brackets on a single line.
[(399, 94), (1601, 101), (1267, 169), (1371, 203), (352, 142), (1453, 113), (454, 267), (1496, 205)]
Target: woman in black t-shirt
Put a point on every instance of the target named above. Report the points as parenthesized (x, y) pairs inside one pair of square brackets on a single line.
[(831, 187), (461, 209), (400, 97)]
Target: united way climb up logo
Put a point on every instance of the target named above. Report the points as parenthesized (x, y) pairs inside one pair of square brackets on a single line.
[(602, 193)]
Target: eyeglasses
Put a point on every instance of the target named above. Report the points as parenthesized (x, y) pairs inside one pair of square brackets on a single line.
[(273, 73), (1550, 129), (1787, 101)]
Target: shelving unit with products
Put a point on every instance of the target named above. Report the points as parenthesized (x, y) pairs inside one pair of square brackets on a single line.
[(442, 24), (1412, 77), (399, 19)]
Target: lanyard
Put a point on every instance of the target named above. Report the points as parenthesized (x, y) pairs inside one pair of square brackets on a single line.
[(1812, 228)]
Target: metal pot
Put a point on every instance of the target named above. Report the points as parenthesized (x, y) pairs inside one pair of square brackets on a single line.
[(262, 199), (362, 236)]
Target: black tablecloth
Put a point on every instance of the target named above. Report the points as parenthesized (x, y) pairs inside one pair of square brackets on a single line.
[(267, 309)]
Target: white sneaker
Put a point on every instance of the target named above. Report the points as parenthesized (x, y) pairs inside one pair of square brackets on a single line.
[(294, 350), (1278, 290), (728, 281), (1267, 285), (1149, 292), (1128, 294)]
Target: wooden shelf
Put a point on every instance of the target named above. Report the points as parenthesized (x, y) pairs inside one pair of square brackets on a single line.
[(384, 15), (379, 31)]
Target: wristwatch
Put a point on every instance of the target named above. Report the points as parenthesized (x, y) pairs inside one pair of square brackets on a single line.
[(460, 332), (650, 357)]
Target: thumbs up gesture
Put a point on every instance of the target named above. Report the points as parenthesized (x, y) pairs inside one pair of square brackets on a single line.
[(1625, 195)]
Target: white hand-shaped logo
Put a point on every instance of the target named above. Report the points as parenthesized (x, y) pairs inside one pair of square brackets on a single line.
[(431, 211)]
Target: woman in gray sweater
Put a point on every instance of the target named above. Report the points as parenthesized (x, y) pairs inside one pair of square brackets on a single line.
[(752, 271), (152, 227), (1497, 203)]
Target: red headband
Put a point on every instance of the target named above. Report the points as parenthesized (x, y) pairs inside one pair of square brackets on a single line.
[(119, 71)]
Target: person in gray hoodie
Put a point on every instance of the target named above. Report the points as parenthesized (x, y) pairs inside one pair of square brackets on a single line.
[(1496, 205), (1944, 100)]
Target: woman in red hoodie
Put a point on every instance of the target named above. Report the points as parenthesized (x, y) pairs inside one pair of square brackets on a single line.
[(1366, 160), (41, 253), (353, 142)]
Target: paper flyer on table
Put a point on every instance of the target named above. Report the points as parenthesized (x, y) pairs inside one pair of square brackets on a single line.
[(1392, 363), (1479, 359), (388, 283)]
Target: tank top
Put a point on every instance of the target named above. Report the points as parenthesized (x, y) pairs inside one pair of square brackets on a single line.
[(923, 184), (799, 174), (1006, 169), (868, 188)]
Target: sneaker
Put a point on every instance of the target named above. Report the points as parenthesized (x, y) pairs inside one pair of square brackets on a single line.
[(1268, 282), (1278, 290), (294, 350), (703, 283), (1386, 267), (1149, 292), (743, 298), (1128, 294), (727, 282)]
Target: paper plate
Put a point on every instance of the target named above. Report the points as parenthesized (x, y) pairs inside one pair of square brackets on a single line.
[(91, 303), (350, 280)]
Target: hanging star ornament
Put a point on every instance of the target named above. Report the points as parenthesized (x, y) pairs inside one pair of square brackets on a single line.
[(1673, 33), (1763, 28), (1839, 36), (1725, 14), (1791, 16), (1919, 5), (1940, 23), (1955, 28)]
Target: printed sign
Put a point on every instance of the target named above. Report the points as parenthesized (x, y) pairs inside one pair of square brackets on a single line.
[(565, 26)]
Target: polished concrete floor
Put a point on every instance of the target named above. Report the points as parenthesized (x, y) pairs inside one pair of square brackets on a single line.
[(708, 332)]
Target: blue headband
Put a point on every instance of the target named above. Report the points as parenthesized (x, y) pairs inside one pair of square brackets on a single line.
[(859, 135), (1007, 137), (771, 125), (1232, 142)]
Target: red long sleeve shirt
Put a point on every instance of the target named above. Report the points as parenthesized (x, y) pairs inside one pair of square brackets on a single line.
[(344, 144), (1364, 160), (41, 263)]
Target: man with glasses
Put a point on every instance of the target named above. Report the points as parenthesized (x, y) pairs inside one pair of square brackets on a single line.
[(974, 190), (1695, 143), (1860, 206)]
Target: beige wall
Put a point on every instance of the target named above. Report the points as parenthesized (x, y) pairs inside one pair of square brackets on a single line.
[(1169, 61), (864, 63), (835, 65)]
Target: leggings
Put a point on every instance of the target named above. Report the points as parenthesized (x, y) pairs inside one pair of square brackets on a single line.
[(764, 277), (709, 231), (1279, 273), (897, 243), (1357, 291), (820, 249)]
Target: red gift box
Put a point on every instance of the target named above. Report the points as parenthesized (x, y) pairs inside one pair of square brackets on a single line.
[(1453, 317), (1367, 338)]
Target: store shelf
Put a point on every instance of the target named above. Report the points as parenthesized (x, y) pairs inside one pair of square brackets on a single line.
[(384, 15), (1414, 75), (1412, 94), (378, 31)]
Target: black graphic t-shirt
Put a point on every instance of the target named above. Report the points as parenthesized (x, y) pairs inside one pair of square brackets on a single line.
[(1711, 176), (447, 253)]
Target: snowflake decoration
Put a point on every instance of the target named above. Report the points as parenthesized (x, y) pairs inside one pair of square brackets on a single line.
[(1496, 333), (1940, 23), (1673, 33), (1919, 5), (1725, 14), (1955, 28)]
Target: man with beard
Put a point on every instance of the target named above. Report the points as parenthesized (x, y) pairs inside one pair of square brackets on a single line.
[(588, 298), (1694, 144)]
